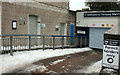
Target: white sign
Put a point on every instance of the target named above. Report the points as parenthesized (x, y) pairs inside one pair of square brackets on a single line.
[(81, 32), (14, 24), (111, 54)]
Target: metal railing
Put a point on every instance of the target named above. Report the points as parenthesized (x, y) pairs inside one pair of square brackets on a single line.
[(13, 43)]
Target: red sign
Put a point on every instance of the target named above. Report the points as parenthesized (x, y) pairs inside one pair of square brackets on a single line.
[(93, 24), (112, 25)]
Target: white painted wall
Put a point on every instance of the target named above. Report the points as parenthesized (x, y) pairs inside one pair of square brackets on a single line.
[(81, 20), (98, 21)]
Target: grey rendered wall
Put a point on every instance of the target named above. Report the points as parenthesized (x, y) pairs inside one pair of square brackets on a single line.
[(96, 37)]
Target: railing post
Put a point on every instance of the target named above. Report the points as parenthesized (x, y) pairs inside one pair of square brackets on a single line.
[(11, 50), (85, 41), (29, 42), (53, 43), (43, 42), (81, 42), (3, 44), (75, 41), (62, 42), (0, 46)]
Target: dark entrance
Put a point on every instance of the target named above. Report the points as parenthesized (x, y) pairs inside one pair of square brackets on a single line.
[(82, 31)]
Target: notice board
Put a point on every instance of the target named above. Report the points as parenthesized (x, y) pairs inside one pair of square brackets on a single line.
[(111, 54)]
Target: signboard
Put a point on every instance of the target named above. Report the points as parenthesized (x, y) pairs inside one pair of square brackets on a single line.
[(111, 54), (81, 32), (14, 24), (105, 25), (43, 26), (102, 14)]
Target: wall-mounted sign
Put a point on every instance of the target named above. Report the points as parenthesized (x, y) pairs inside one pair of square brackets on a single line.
[(43, 26), (81, 32), (22, 20), (111, 54), (93, 24), (102, 14), (14, 24), (105, 25), (57, 28), (112, 25)]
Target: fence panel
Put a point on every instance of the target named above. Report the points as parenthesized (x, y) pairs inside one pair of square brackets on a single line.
[(13, 43)]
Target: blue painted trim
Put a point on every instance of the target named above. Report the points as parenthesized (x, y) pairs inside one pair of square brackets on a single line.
[(66, 36)]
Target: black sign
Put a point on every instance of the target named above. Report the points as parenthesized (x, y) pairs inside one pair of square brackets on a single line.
[(110, 60), (102, 14), (111, 42)]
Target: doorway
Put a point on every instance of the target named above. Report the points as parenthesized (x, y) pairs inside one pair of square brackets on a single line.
[(63, 31), (63, 28), (34, 29)]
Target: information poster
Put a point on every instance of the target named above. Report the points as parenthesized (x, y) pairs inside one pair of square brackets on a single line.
[(111, 54)]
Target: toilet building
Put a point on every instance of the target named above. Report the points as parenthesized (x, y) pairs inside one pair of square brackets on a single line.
[(94, 24), (38, 18), (35, 18)]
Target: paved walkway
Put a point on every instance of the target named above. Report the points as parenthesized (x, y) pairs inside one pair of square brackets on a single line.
[(66, 64)]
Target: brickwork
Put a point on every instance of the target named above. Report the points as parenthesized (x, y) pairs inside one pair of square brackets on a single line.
[(63, 5), (49, 15)]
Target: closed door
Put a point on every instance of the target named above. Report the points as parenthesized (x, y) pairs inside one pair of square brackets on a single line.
[(33, 25), (96, 37), (33, 29), (62, 29)]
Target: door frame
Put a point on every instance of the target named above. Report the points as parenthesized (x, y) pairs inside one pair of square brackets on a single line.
[(65, 32), (38, 24), (65, 28)]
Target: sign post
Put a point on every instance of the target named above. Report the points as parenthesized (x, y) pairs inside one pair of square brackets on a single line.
[(111, 54)]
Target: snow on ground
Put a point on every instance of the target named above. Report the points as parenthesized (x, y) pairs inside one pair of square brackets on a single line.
[(94, 68), (58, 61), (40, 68), (20, 59)]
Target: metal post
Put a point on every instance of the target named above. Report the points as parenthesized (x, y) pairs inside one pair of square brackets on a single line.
[(85, 41), (29, 42), (43, 42), (3, 44), (76, 41), (81, 42), (11, 50), (62, 42), (53, 43)]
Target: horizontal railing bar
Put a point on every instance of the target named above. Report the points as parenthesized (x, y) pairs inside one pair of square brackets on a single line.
[(66, 36), (39, 35), (21, 35)]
